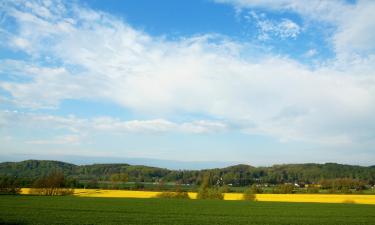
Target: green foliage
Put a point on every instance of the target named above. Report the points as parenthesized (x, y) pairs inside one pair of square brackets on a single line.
[(69, 210), (35, 168), (354, 177), (249, 195), (51, 191), (256, 189), (206, 191), (215, 193), (139, 186), (210, 193), (93, 183), (53, 184), (179, 195), (119, 177), (283, 189), (225, 189), (343, 184), (312, 189), (9, 185)]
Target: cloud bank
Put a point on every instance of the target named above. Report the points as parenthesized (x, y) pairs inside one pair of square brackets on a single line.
[(78, 53)]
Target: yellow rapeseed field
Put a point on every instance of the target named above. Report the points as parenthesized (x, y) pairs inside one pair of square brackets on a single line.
[(322, 198), (115, 193), (325, 198)]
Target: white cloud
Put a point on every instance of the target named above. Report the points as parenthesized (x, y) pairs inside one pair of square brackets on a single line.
[(156, 125), (288, 28), (282, 29), (316, 9), (311, 52), (203, 126), (59, 140), (96, 56), (354, 22), (356, 30), (48, 86), (79, 127)]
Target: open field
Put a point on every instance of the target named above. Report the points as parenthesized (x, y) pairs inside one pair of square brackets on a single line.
[(319, 198), (73, 210)]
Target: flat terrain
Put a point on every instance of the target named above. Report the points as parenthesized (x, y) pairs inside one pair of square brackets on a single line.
[(75, 210)]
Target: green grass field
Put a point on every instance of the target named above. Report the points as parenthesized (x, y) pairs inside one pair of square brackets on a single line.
[(74, 210)]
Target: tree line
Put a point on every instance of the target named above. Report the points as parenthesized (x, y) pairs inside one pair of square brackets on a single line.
[(335, 177)]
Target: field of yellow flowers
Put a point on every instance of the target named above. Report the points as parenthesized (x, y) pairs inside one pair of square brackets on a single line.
[(319, 198)]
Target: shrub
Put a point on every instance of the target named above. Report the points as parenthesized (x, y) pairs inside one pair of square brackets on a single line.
[(207, 192), (53, 184), (139, 186), (51, 191), (210, 193), (92, 184), (332, 190), (249, 195), (225, 189), (283, 189), (10, 190), (312, 190), (178, 195), (255, 189), (215, 193), (9, 186), (346, 190)]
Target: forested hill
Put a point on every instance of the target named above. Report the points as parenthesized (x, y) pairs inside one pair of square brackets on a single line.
[(237, 175)]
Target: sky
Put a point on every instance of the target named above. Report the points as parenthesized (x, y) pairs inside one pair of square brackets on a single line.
[(199, 81)]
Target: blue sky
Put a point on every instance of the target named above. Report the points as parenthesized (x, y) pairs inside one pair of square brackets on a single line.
[(229, 81)]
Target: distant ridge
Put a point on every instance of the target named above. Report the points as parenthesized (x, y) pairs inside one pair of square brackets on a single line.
[(85, 160), (308, 172)]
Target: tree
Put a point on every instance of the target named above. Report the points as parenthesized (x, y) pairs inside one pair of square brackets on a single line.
[(248, 195), (9, 185), (255, 189), (53, 184), (284, 189), (117, 178), (312, 189), (93, 183), (178, 193), (206, 191)]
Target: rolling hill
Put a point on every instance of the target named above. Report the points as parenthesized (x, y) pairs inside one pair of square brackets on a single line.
[(239, 175)]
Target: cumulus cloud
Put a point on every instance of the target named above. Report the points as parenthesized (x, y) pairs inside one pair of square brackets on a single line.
[(85, 54)]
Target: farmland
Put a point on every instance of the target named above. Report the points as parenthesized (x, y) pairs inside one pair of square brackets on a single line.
[(319, 198), (74, 210)]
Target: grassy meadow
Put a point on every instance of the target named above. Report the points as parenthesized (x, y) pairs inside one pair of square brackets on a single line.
[(75, 210)]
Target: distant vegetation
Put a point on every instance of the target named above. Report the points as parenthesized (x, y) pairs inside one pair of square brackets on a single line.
[(288, 178), (208, 191), (53, 184), (9, 185), (178, 195)]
